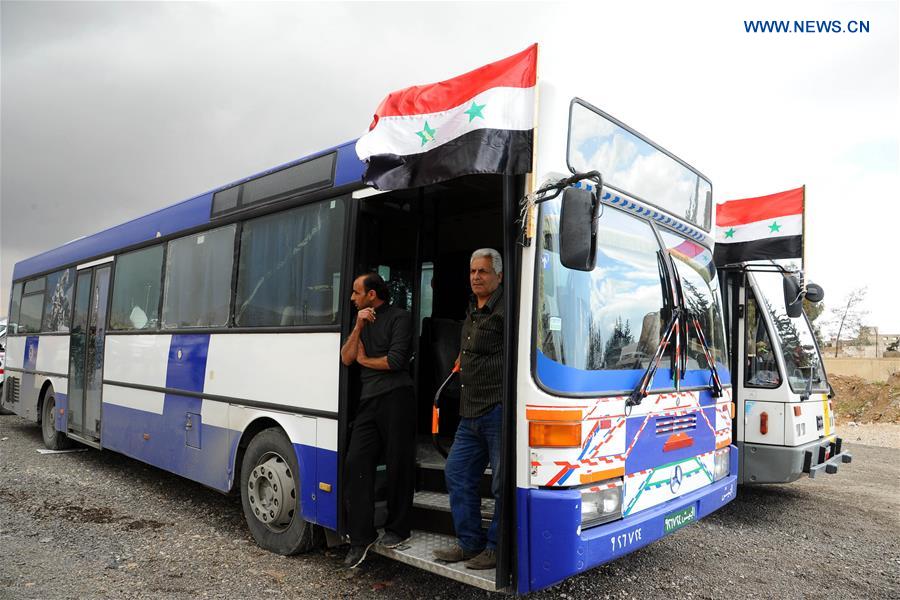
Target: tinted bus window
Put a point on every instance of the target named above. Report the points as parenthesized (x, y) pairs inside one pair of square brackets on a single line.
[(290, 263), (58, 309), (135, 300), (15, 302), (35, 285), (30, 313), (198, 279), (760, 367)]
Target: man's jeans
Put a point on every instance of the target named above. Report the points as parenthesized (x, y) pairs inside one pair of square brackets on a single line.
[(477, 443)]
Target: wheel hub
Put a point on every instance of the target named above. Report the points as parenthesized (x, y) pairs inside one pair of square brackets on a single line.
[(273, 497)]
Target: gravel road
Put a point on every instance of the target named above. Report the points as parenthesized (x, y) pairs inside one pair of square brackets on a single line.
[(99, 525)]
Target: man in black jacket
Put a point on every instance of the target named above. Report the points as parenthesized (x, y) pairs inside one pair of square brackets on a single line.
[(385, 420)]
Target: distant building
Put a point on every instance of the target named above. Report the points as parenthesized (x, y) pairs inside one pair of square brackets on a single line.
[(869, 343)]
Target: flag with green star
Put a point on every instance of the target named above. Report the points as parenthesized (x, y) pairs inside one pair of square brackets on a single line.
[(480, 122), (767, 227)]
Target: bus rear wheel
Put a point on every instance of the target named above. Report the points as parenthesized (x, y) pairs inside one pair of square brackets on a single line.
[(270, 495), (53, 439)]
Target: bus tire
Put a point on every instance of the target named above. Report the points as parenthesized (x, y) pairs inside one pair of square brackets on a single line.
[(270, 492), (3, 411), (53, 439)]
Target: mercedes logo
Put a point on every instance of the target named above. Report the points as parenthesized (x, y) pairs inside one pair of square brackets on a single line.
[(675, 481)]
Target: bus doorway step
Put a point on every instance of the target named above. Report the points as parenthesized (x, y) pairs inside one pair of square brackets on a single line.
[(418, 553)]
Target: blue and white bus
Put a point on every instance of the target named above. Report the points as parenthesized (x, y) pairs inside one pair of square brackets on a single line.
[(204, 339)]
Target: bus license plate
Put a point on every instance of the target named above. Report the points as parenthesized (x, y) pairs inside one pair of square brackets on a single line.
[(680, 518)]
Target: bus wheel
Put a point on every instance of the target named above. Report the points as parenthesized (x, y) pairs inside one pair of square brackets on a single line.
[(53, 439), (270, 492)]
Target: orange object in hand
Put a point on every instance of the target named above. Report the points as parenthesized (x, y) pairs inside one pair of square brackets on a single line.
[(435, 419)]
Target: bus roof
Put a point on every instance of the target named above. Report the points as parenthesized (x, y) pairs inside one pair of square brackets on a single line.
[(184, 215)]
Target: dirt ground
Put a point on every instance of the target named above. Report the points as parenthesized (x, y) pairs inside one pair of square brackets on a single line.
[(858, 401), (99, 525)]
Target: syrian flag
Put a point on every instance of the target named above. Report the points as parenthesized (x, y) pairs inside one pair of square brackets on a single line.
[(768, 227), (480, 122)]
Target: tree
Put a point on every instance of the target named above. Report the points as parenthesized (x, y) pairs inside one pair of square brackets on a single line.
[(814, 311), (848, 316), (621, 336)]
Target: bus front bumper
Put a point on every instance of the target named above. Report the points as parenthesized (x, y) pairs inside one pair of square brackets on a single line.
[(558, 548), (783, 464)]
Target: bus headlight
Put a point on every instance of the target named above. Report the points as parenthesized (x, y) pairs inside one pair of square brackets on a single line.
[(722, 463), (601, 504)]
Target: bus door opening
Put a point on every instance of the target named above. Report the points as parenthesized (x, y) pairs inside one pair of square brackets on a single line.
[(420, 241)]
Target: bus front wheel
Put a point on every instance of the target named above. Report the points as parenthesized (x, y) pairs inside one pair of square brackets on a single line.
[(270, 493), (53, 439)]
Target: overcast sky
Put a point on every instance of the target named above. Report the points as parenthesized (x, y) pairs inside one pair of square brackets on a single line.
[(112, 110)]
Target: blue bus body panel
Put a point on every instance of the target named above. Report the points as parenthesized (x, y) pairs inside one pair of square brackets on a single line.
[(555, 548), (205, 453), (182, 216)]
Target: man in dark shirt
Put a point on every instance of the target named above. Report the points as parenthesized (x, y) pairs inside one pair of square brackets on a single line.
[(477, 440), (385, 420)]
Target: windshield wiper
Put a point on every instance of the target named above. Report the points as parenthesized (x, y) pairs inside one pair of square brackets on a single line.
[(813, 368), (717, 389), (640, 391)]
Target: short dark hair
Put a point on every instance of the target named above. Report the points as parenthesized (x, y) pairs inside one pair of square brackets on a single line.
[(373, 281)]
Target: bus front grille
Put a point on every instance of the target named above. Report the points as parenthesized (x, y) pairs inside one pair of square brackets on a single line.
[(676, 424)]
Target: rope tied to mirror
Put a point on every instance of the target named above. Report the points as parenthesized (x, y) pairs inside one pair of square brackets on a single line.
[(551, 190)]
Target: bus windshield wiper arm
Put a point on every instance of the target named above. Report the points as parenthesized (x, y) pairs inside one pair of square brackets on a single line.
[(813, 368), (640, 391), (717, 389)]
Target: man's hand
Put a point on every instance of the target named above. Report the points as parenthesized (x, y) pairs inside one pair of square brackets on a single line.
[(366, 315)]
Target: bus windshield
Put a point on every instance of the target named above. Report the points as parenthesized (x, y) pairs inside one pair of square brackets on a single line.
[(606, 320), (700, 287), (798, 345)]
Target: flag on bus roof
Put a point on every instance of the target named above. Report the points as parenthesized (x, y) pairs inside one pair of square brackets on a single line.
[(767, 227), (480, 122)]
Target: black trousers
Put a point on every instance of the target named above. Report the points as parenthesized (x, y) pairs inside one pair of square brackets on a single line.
[(384, 423)]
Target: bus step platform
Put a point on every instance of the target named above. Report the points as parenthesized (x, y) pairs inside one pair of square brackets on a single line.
[(438, 501), (418, 553), (430, 476)]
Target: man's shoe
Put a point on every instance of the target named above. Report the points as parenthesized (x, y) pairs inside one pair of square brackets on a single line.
[(356, 555), (486, 560), (392, 540), (454, 554)]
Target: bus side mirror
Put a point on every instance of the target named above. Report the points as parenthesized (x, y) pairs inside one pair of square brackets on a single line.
[(578, 229), (814, 293), (793, 300)]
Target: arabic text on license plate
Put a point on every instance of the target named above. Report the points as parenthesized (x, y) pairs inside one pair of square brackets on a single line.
[(680, 518)]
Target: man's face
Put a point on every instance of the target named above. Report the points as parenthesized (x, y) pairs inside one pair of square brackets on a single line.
[(359, 296), (482, 277)]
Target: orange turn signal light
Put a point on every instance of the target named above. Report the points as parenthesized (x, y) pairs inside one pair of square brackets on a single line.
[(764, 423), (554, 435)]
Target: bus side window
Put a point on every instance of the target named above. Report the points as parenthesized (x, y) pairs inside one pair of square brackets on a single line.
[(135, 296), (198, 279), (760, 367), (289, 271)]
